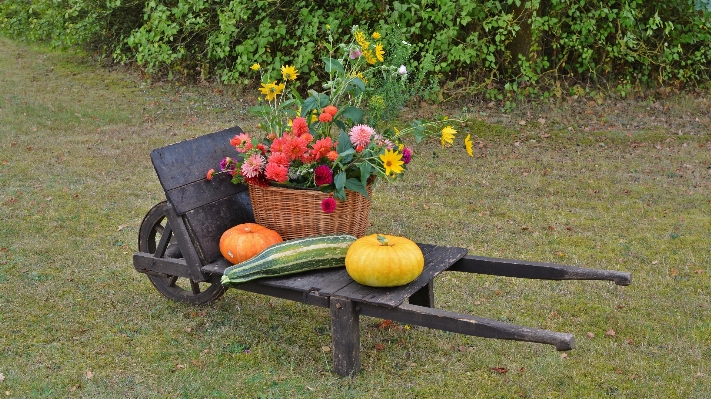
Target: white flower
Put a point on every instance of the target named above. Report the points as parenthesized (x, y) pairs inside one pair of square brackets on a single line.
[(402, 70)]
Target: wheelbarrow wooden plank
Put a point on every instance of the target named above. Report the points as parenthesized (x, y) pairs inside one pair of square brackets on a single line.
[(466, 324), (207, 223), (536, 270), (337, 282), (188, 161)]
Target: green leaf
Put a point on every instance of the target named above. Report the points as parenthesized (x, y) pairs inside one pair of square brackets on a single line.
[(332, 65), (354, 184), (309, 105), (340, 180), (340, 194), (352, 113), (340, 124), (344, 143), (366, 170), (260, 110), (359, 86)]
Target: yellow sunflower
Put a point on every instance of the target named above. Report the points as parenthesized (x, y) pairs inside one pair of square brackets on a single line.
[(448, 136), (271, 90), (288, 72), (379, 52), (392, 161), (376, 36), (468, 145), (255, 66)]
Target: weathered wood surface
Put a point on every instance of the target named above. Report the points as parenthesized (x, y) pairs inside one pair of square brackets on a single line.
[(345, 336), (182, 169), (469, 325), (207, 222), (536, 270), (337, 282), (188, 161)]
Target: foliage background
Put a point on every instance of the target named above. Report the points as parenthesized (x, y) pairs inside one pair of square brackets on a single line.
[(493, 47)]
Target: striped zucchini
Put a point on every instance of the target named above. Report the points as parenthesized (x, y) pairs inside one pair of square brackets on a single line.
[(292, 256)]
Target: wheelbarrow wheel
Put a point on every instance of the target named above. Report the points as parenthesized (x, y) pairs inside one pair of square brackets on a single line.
[(172, 287)]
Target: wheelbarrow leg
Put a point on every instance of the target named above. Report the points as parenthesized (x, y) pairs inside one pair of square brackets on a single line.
[(345, 336), (424, 296)]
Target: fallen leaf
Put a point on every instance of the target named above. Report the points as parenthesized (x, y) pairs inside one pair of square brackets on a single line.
[(196, 363), (500, 370), (590, 335), (326, 348), (2, 377), (629, 341), (123, 226), (384, 324), (698, 271), (610, 333), (543, 122), (674, 272), (179, 366), (563, 355), (74, 388), (89, 375), (522, 123), (379, 346), (699, 374)]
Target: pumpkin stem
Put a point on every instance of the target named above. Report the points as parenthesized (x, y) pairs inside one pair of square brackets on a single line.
[(383, 240)]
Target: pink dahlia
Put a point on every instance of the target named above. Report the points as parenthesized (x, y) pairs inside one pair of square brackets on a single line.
[(328, 205), (360, 135), (323, 175), (253, 165), (406, 155)]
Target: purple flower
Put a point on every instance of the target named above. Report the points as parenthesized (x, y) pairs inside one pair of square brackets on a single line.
[(406, 155), (323, 175), (228, 165), (354, 53), (328, 205), (402, 70)]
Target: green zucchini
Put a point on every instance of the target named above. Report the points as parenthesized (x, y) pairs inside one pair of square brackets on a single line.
[(292, 256)]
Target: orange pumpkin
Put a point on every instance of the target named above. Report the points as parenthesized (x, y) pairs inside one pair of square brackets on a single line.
[(246, 240)]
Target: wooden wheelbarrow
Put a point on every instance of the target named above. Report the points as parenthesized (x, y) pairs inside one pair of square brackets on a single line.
[(178, 245)]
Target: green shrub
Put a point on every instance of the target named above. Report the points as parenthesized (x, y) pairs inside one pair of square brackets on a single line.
[(502, 48)]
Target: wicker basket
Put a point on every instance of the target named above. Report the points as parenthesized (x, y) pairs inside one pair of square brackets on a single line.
[(297, 213)]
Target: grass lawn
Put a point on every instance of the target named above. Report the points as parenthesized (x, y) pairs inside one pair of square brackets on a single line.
[(77, 321)]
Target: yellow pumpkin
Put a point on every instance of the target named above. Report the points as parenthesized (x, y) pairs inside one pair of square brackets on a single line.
[(381, 260), (246, 240)]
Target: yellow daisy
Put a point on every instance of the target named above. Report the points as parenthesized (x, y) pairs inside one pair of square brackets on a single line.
[(448, 136), (271, 90), (468, 145), (392, 161), (288, 72), (370, 58), (376, 36), (379, 52), (255, 66), (360, 39)]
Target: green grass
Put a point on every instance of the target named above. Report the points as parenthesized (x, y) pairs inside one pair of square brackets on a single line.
[(79, 322)]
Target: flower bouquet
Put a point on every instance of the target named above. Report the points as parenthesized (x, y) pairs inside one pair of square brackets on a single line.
[(335, 143)]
